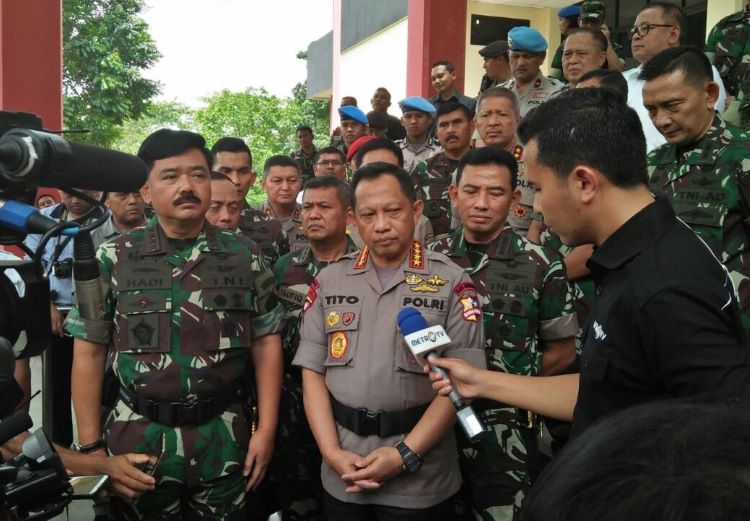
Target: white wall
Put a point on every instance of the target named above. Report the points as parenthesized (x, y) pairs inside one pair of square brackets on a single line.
[(378, 61)]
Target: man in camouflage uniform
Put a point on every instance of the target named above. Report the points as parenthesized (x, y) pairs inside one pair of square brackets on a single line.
[(296, 466), (527, 51), (282, 184), (431, 178), (529, 324), (417, 145), (704, 169), (232, 157), (728, 48), (497, 118), (306, 154), (386, 441), (186, 306)]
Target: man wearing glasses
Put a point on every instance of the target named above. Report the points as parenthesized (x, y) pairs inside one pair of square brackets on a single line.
[(659, 26), (330, 161)]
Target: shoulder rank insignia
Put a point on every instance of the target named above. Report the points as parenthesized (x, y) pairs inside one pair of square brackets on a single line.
[(538, 83), (416, 259), (332, 319), (436, 281), (424, 288), (362, 259), (517, 152)]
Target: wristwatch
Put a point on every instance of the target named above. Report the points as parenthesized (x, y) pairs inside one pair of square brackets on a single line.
[(412, 460)]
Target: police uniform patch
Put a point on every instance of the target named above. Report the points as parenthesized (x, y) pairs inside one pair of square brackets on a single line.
[(332, 318), (412, 279), (519, 210), (312, 294), (339, 345), (436, 281), (424, 288), (416, 259), (470, 308), (347, 317), (143, 333), (362, 259)]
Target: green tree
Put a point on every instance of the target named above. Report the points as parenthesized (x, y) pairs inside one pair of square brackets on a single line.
[(168, 114), (106, 46)]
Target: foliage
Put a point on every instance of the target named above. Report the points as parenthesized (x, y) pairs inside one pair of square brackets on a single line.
[(169, 114), (106, 46)]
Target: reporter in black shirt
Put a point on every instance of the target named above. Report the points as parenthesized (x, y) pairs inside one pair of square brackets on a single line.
[(665, 322)]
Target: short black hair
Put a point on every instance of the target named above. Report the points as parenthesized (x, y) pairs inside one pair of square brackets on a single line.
[(445, 63), (377, 144), (230, 144), (330, 150), (690, 60), (165, 142), (384, 91), (671, 14), (591, 127), (489, 155), (279, 160), (665, 461), (453, 106), (373, 171), (343, 192), (304, 128), (499, 92), (596, 34), (609, 79)]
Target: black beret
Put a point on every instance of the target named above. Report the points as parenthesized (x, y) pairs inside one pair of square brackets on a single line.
[(167, 143), (494, 49)]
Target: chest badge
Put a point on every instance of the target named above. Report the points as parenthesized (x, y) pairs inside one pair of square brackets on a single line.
[(333, 318), (339, 345), (436, 281), (143, 333), (412, 279), (424, 288), (143, 302), (347, 317)]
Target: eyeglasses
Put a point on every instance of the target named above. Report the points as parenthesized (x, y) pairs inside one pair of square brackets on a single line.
[(329, 162), (644, 29)]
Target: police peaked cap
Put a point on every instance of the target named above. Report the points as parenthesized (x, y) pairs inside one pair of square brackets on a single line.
[(526, 39), (352, 112), (416, 103), (167, 143), (494, 49)]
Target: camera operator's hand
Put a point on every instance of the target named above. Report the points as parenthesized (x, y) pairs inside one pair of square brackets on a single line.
[(604, 29), (126, 478), (57, 320)]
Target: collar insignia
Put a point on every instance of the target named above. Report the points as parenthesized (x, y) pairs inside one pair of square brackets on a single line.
[(362, 259)]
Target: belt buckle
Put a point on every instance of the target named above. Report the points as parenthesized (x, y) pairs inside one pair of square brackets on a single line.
[(369, 421)]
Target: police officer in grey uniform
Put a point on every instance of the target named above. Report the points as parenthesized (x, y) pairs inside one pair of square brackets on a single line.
[(527, 51), (387, 444)]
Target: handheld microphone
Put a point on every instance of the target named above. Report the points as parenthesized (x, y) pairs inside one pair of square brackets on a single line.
[(14, 425), (22, 218), (88, 287), (32, 157), (426, 342)]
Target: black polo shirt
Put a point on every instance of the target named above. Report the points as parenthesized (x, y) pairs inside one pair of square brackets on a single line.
[(665, 321)]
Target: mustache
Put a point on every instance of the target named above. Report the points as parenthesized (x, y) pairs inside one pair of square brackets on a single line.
[(188, 197)]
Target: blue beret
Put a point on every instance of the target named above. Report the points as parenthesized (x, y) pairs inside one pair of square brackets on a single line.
[(569, 11), (352, 112), (526, 39), (416, 103)]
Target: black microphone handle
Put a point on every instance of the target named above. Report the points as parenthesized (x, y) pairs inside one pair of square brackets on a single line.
[(14, 425)]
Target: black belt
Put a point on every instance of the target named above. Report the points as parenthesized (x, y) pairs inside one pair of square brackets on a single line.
[(177, 414), (367, 423)]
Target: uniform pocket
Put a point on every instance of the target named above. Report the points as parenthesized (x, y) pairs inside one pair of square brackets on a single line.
[(142, 321), (512, 324), (226, 318), (341, 325)]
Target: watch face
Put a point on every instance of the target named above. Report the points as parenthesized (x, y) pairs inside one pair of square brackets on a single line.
[(412, 464)]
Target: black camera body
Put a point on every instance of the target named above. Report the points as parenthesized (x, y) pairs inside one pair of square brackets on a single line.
[(63, 269)]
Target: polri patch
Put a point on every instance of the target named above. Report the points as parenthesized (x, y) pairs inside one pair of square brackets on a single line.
[(470, 309), (347, 317), (312, 294)]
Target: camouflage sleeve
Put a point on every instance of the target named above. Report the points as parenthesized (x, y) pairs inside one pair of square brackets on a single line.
[(313, 345), (268, 313), (281, 244), (98, 331), (280, 267), (710, 48), (463, 324), (557, 316)]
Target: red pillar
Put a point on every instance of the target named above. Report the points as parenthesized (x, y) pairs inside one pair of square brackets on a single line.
[(437, 31), (31, 58)]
